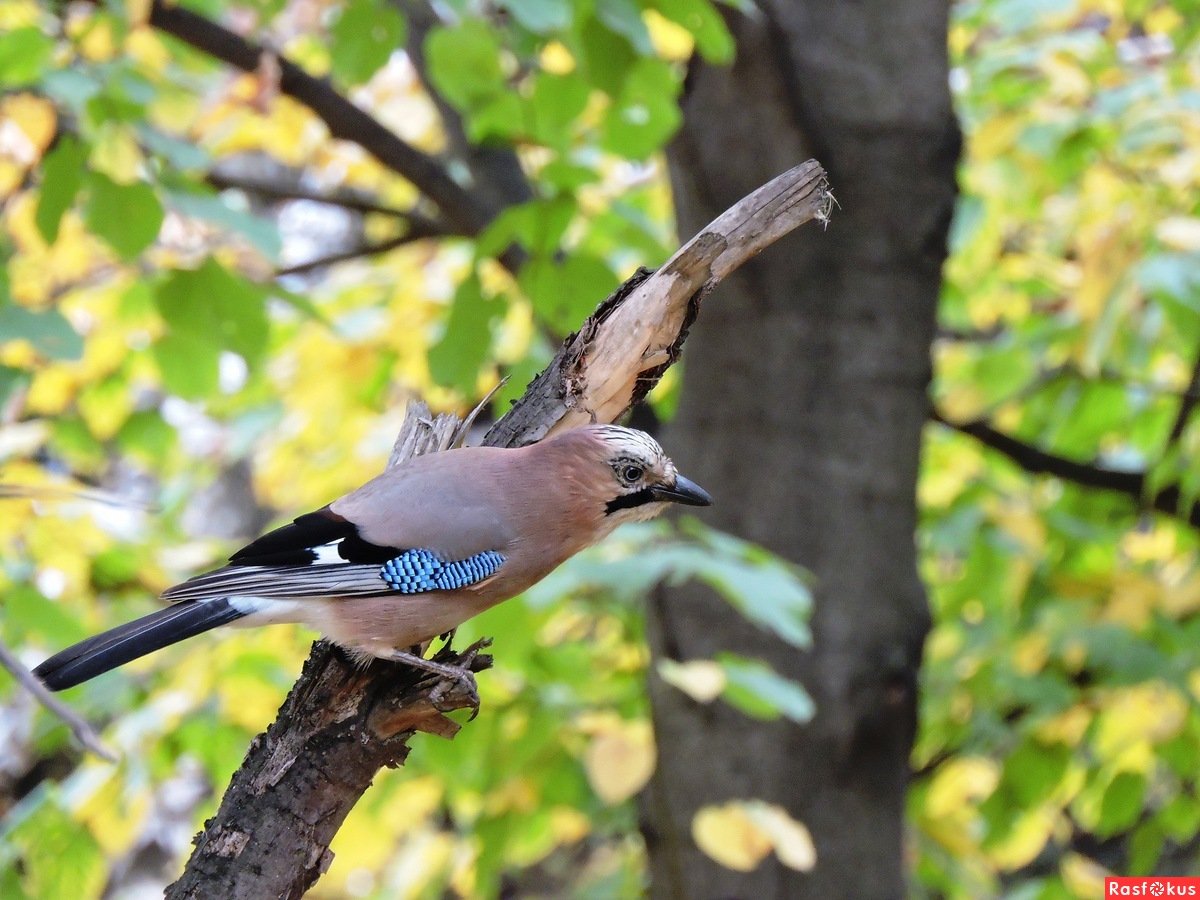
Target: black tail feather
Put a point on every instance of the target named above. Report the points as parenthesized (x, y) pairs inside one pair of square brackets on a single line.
[(127, 642)]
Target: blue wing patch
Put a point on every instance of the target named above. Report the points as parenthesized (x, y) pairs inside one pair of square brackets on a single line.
[(417, 571)]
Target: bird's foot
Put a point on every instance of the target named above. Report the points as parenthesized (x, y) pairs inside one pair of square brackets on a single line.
[(451, 675)]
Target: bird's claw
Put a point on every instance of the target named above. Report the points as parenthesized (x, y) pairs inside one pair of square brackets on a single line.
[(460, 677)]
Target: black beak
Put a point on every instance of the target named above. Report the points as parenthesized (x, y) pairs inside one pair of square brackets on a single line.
[(684, 491)]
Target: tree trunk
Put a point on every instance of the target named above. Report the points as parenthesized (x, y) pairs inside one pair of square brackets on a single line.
[(803, 403)]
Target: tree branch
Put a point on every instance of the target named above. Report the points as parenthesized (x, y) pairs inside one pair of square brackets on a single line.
[(350, 200), (343, 119), (82, 730), (340, 724), (1038, 462), (1187, 406), (355, 253)]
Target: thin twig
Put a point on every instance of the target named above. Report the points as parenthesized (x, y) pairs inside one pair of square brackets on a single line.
[(1036, 461), (82, 730), (52, 492), (1186, 406), (361, 252), (345, 199)]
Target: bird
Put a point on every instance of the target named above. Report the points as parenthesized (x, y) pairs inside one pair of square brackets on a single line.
[(414, 552)]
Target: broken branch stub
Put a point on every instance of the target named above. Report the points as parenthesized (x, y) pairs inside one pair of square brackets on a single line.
[(623, 349)]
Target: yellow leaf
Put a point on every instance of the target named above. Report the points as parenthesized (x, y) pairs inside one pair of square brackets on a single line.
[(671, 41), (620, 760), (557, 59), (568, 825), (35, 118), (1030, 653), (791, 839), (116, 153), (958, 781), (1131, 717), (701, 679), (1155, 544), (1068, 727), (1083, 877), (1163, 19), (729, 836), (741, 833), (1025, 840), (1134, 598), (1183, 599), (137, 12)]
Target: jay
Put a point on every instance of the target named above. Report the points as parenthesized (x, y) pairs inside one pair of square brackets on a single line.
[(414, 552)]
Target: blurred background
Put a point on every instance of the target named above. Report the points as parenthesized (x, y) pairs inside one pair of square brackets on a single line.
[(938, 636)]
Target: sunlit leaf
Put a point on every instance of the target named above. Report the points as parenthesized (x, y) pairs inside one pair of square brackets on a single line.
[(127, 216), (758, 690), (47, 330), (365, 35), (62, 177)]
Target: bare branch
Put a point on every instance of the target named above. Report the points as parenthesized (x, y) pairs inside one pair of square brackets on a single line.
[(1036, 461), (355, 253), (346, 199), (624, 348), (82, 730), (1187, 406)]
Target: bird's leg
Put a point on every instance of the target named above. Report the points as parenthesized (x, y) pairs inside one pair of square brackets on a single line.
[(448, 639), (459, 675)]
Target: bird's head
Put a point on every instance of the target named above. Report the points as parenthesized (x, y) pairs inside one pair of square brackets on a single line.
[(638, 479)]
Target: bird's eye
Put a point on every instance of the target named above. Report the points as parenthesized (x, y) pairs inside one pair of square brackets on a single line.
[(631, 474)]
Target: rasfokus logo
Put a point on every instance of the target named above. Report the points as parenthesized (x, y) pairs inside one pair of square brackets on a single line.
[(1151, 886)]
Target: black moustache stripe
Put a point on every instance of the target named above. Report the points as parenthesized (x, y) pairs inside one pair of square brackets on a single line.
[(629, 501)]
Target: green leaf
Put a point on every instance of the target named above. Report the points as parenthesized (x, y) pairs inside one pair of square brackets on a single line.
[(1122, 803), (763, 588), (759, 691), (1035, 769), (180, 154), (554, 105), (624, 17), (189, 364), (59, 856), (62, 176), (364, 38), (567, 176), (464, 63), (47, 330), (541, 16), (11, 381), (606, 56), (455, 360), (127, 216), (701, 18), (501, 116), (24, 55), (564, 292), (145, 436), (645, 114), (213, 306), (538, 226)]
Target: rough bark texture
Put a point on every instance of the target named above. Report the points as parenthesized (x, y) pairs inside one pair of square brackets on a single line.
[(804, 398), (340, 725)]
